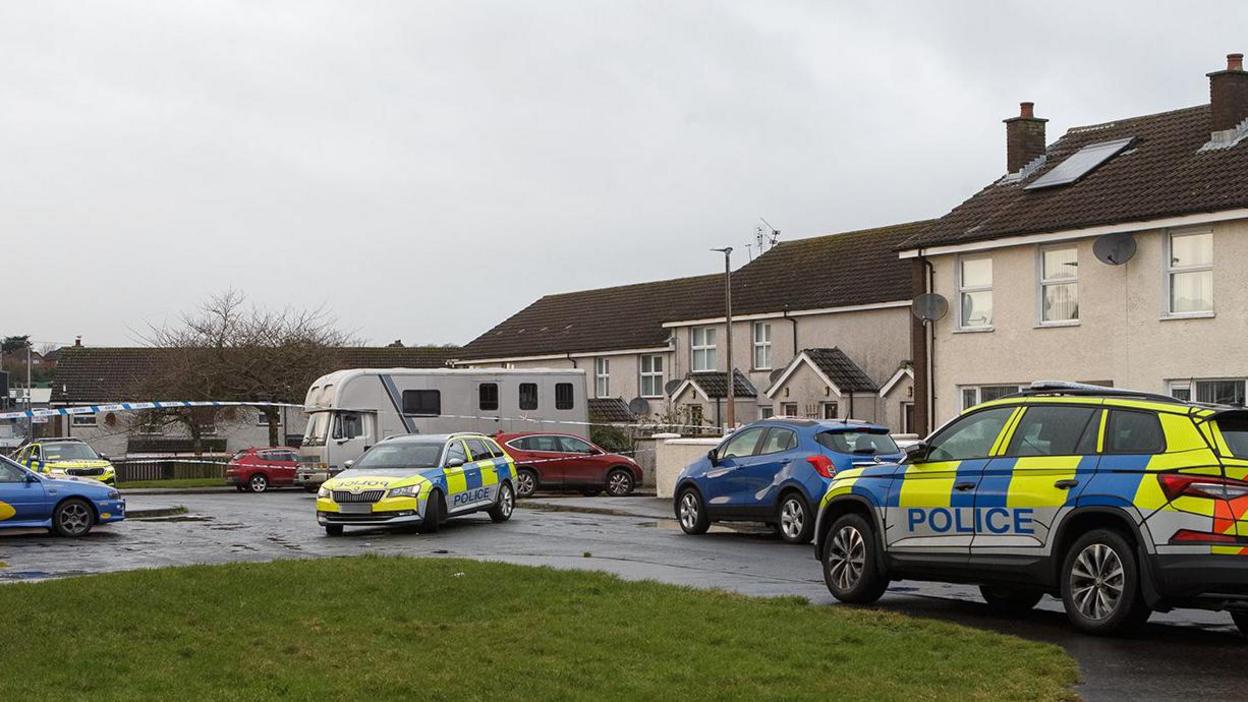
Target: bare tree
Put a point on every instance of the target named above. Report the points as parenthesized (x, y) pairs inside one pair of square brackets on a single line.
[(231, 350)]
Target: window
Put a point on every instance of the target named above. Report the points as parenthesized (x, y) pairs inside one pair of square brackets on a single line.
[(830, 410), (10, 473), (975, 293), (540, 442), (455, 451), (563, 396), (1189, 273), (1059, 285), (571, 444), (778, 440), (742, 443), (426, 403), (652, 376), (969, 437), (262, 419), (977, 394), (602, 377), (1235, 432), (495, 450), (1216, 392), (477, 448), (762, 346), (1128, 431), (83, 420), (766, 412), (348, 425), (788, 409), (487, 397), (703, 345), (867, 443), (528, 396), (1054, 431)]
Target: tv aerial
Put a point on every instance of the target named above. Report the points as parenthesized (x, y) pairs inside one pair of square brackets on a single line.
[(1114, 249)]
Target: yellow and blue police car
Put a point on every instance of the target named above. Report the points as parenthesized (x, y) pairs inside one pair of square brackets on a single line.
[(418, 481), (1117, 502), (66, 456)]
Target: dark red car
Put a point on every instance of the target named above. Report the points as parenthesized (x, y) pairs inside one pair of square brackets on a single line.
[(258, 469), (551, 461)]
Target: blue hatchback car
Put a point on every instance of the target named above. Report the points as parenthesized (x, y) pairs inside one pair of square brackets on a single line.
[(65, 506), (776, 471)]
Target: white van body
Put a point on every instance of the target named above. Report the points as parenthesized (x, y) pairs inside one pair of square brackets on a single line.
[(350, 410)]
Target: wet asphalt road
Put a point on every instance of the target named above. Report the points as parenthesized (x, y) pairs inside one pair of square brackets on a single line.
[(1181, 654)]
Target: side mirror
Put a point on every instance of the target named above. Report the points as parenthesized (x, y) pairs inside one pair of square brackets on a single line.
[(916, 453), (455, 463), (104, 457), (713, 456), (347, 464), (31, 478)]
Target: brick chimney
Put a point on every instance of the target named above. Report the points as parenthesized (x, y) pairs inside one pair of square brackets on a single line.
[(1228, 94), (1024, 138)]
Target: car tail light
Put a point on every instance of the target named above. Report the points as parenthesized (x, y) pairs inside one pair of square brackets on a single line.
[(1187, 536), (822, 465), (1211, 487)]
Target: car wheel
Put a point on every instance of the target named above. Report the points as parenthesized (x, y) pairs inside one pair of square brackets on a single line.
[(333, 529), (1241, 621), (526, 482), (619, 483), (796, 526), (1010, 600), (433, 514), (851, 561), (258, 483), (73, 518), (501, 511), (1101, 584), (691, 513)]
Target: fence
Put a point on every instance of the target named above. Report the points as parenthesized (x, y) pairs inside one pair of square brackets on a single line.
[(171, 469)]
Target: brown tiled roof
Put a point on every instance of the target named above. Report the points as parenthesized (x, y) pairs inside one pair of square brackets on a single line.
[(610, 409), (841, 370), (1162, 173), (838, 270), (623, 317), (715, 384), (86, 374)]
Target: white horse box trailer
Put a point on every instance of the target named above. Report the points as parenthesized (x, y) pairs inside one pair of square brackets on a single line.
[(350, 410)]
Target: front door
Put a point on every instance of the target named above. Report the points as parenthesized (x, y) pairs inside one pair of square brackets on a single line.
[(21, 500), (349, 435), (932, 513), (1046, 457)]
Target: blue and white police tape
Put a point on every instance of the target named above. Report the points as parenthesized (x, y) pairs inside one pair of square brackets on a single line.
[(133, 407)]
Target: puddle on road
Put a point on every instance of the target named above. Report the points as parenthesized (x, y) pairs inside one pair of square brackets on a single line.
[(18, 575), (179, 518)]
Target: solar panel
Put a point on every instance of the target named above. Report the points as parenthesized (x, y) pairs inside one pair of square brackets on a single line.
[(1080, 163)]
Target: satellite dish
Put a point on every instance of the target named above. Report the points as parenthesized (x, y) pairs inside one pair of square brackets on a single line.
[(930, 307), (1114, 249), (639, 406), (670, 386), (775, 375)]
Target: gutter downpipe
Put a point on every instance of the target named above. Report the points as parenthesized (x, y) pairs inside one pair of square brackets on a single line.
[(571, 360), (931, 349), (785, 315)]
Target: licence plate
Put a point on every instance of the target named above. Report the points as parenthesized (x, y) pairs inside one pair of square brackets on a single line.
[(364, 508)]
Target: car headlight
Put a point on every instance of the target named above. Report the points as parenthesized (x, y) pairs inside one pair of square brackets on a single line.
[(405, 491), (114, 495), (324, 492)]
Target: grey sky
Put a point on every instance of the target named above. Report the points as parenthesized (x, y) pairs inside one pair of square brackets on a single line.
[(425, 169)]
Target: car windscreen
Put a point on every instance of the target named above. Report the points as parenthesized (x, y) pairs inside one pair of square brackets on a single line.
[(865, 443), (1235, 432), (409, 455), (318, 428), (69, 452)]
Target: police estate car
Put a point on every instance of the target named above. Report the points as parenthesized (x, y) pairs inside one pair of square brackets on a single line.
[(418, 481), (1118, 502)]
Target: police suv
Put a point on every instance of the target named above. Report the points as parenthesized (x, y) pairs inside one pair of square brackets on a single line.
[(1118, 502)]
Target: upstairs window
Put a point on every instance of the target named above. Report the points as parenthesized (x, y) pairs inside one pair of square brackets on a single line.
[(762, 346), (652, 376), (1189, 273), (975, 292), (602, 377), (1059, 285), (703, 347)]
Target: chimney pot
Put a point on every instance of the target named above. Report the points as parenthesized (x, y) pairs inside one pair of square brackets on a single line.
[(1026, 110), (1234, 62), (1024, 137), (1228, 95)]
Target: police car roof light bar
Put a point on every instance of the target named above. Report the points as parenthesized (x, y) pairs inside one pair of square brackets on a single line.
[(1066, 387)]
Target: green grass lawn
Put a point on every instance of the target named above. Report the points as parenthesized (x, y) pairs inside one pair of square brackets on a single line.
[(179, 483), (371, 628)]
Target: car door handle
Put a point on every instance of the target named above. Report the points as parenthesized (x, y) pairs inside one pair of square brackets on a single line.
[(963, 487), (1066, 484)]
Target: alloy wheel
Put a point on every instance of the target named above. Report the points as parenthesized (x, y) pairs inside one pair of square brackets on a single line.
[(792, 518), (619, 483), (259, 483), (525, 482), (688, 510), (1097, 580), (847, 557), (506, 502), (75, 518)]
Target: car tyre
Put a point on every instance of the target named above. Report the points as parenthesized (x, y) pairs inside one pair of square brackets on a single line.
[(434, 514), (851, 561), (73, 518), (501, 511), (258, 483), (691, 513), (1010, 600), (619, 482), (333, 529), (794, 520), (526, 482), (1101, 584)]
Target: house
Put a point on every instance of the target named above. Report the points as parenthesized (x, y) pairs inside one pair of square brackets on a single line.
[(87, 375), (803, 307), (1117, 255)]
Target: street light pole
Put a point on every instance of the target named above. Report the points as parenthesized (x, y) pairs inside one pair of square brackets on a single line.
[(731, 416)]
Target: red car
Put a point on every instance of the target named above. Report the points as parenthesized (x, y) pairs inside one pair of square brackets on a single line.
[(258, 469), (567, 462)]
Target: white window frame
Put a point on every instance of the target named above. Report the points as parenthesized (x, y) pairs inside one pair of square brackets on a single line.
[(1042, 283), (977, 390), (1189, 386), (1167, 301), (766, 412), (974, 289), (707, 349), (656, 377), (762, 346), (602, 377), (84, 420)]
